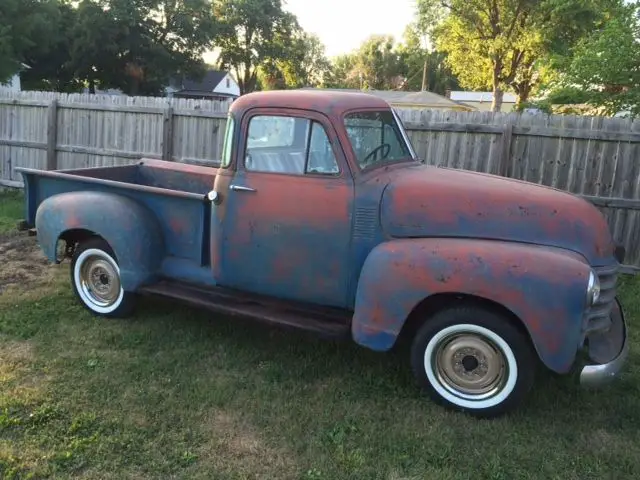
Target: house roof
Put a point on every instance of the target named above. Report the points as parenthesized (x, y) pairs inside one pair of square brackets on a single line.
[(399, 98), (208, 83), (427, 99), (462, 96)]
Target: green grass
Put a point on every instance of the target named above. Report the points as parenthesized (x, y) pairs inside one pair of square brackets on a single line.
[(180, 393), (11, 209)]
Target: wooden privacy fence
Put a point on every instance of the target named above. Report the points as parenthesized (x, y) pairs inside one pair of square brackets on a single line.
[(594, 157), (58, 131)]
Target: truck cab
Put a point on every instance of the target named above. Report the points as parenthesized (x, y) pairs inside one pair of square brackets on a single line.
[(321, 217), (299, 192)]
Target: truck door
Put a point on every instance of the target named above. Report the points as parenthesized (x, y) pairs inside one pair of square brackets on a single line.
[(288, 212)]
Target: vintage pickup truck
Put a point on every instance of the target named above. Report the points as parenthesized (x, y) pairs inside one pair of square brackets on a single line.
[(321, 217)]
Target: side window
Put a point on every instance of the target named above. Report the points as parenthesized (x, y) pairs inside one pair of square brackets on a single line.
[(291, 145), (228, 142), (271, 131), (321, 157)]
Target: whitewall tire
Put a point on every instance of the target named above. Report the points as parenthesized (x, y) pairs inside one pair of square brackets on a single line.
[(473, 359), (95, 276)]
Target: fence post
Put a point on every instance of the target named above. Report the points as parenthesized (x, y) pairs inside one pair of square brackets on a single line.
[(505, 150), (52, 135), (167, 134)]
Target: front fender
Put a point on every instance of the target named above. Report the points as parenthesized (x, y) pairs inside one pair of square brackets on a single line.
[(130, 228), (544, 287)]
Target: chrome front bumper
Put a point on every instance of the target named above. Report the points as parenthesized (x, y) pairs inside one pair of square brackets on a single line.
[(603, 373)]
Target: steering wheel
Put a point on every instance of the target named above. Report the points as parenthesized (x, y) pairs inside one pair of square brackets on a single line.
[(375, 150)]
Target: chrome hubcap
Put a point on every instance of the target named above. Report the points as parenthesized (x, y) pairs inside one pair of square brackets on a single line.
[(470, 365), (100, 281)]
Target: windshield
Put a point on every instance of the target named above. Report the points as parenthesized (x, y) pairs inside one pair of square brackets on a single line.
[(376, 138)]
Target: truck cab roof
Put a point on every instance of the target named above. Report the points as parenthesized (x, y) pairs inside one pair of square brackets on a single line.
[(330, 102)]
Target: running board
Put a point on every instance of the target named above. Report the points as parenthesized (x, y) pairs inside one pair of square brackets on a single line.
[(324, 322)]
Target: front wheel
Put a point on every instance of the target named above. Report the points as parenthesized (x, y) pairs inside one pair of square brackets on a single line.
[(95, 276), (474, 360)]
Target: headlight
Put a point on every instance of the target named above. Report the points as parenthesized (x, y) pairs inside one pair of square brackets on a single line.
[(593, 289)]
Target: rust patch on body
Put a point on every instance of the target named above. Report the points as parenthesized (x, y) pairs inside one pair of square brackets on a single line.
[(543, 287)]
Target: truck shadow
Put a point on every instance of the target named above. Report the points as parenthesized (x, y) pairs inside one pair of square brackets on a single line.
[(290, 356)]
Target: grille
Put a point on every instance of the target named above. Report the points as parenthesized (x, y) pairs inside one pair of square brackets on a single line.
[(598, 316)]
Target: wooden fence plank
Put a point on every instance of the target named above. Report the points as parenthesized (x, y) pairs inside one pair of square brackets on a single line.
[(504, 163), (52, 129), (24, 103), (112, 108), (532, 131), (11, 183), (621, 203), (102, 152), (23, 144), (199, 113), (167, 134)]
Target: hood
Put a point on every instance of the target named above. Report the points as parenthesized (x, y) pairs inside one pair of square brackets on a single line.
[(425, 201)]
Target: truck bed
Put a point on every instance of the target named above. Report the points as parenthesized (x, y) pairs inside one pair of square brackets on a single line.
[(175, 193)]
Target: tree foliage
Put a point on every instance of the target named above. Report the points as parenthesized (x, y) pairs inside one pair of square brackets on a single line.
[(606, 64), (502, 44), (49, 61), (132, 45), (137, 45), (254, 35), (24, 24), (304, 64), (381, 63), (307, 62), (416, 56), (376, 64)]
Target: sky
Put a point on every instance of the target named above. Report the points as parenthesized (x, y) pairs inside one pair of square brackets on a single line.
[(343, 25)]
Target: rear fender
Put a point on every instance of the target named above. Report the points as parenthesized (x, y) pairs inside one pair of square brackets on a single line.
[(130, 228), (544, 287)]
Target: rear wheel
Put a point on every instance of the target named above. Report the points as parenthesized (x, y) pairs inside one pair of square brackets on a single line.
[(95, 276), (473, 359)]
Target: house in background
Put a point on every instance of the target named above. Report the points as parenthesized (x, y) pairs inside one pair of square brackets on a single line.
[(482, 100), (14, 84), (215, 85), (413, 100)]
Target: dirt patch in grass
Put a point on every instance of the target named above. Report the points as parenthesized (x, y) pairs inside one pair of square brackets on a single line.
[(237, 447), (23, 264), (15, 352)]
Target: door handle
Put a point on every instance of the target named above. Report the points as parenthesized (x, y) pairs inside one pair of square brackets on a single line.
[(240, 188)]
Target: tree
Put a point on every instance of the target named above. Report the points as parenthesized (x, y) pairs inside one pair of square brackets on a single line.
[(145, 42), (49, 67), (24, 24), (376, 64), (132, 45), (254, 35), (419, 61), (303, 64), (306, 64), (500, 44), (342, 73), (96, 41), (605, 65)]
